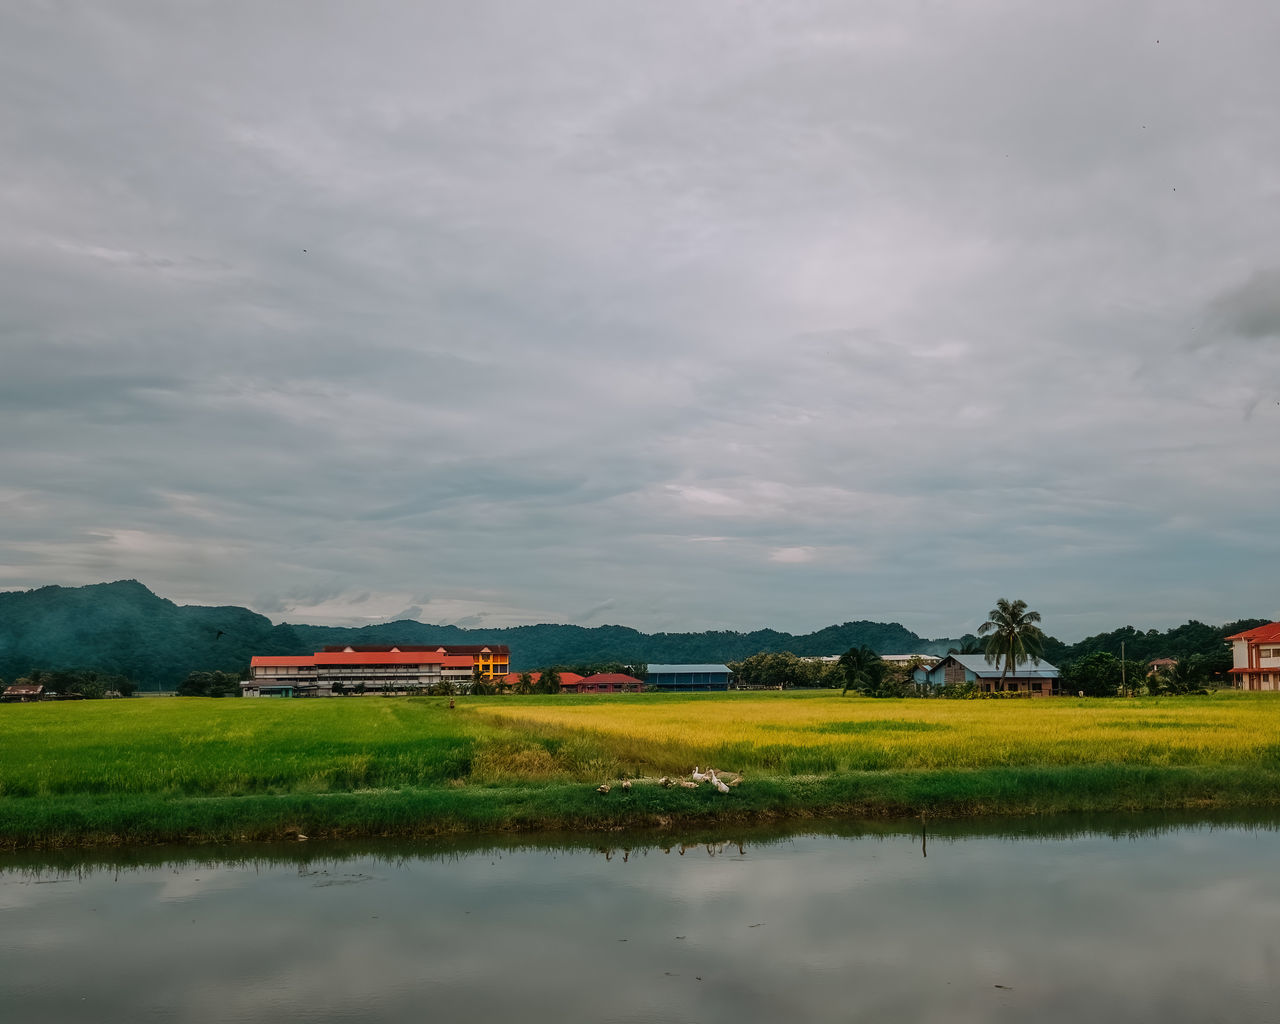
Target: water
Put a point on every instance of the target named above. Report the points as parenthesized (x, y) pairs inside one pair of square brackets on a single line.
[(1105, 920)]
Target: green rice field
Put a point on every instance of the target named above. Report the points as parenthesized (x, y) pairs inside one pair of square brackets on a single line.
[(190, 769)]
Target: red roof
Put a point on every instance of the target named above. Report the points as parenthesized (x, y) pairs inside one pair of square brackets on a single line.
[(1253, 671), (566, 678), (613, 677), (286, 660), (496, 649), (1260, 634), (377, 658), (457, 660)]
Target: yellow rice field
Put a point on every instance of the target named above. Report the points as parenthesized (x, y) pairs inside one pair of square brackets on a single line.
[(815, 733)]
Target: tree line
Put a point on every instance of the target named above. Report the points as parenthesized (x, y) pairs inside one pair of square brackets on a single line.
[(86, 684)]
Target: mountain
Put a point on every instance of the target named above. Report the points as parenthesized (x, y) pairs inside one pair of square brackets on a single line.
[(124, 628), (547, 644)]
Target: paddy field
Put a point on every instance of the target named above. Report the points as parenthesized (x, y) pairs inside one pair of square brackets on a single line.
[(201, 770)]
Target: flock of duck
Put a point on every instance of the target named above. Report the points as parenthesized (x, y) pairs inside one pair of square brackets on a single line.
[(696, 778)]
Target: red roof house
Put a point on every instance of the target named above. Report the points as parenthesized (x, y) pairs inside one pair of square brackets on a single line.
[(1255, 657)]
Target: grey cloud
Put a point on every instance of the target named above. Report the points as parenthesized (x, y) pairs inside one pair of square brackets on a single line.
[(586, 615), (1251, 310), (896, 288)]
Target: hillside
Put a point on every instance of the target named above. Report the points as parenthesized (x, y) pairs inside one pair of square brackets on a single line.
[(532, 646), (124, 628)]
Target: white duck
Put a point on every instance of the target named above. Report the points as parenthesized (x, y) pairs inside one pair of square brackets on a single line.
[(698, 776), (717, 783)]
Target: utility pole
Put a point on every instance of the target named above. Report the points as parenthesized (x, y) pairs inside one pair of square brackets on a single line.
[(1123, 686)]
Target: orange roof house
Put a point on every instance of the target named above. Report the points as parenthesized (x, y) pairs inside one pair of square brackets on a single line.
[(568, 680)]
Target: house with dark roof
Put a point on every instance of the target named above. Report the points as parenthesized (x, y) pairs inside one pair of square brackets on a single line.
[(1255, 658), (1027, 677), (20, 693)]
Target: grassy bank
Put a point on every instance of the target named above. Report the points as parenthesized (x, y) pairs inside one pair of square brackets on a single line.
[(206, 770)]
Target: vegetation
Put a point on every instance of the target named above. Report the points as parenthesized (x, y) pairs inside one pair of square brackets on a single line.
[(89, 684), (210, 684), (166, 770), (778, 671), (863, 669), (1013, 636), (123, 629)]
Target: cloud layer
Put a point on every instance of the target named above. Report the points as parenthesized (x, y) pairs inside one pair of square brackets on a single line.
[(776, 314)]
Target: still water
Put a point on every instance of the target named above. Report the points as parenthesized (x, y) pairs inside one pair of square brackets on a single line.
[(1102, 920)]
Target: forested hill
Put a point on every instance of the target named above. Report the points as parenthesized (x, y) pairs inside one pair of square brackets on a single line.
[(547, 644), (124, 628)]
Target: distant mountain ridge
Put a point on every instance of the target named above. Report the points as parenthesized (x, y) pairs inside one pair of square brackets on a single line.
[(123, 627)]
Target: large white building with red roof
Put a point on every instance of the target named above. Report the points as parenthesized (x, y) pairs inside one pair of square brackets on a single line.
[(337, 670), (1255, 658)]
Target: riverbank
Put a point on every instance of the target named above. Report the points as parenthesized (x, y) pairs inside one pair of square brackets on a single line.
[(193, 770)]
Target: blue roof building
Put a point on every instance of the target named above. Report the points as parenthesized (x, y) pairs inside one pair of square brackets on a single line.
[(1029, 677), (688, 677)]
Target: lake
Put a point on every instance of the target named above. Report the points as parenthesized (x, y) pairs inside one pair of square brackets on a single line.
[(1117, 919)]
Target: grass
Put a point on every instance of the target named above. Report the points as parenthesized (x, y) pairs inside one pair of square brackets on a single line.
[(226, 770)]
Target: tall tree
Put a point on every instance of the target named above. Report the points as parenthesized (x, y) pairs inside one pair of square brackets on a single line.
[(1014, 635), (548, 682), (863, 669)]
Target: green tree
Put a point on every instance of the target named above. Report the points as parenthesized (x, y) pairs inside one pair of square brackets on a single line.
[(548, 681), (210, 684), (1187, 675), (524, 685), (863, 669), (1014, 636), (1097, 675)]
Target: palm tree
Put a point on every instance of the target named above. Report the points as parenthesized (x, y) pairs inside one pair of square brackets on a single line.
[(1015, 637), (863, 669)]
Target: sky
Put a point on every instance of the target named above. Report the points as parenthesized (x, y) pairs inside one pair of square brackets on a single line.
[(676, 316)]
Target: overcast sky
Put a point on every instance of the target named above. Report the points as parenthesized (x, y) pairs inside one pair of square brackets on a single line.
[(675, 315)]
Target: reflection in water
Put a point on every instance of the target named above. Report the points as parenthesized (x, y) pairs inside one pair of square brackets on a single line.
[(1114, 918)]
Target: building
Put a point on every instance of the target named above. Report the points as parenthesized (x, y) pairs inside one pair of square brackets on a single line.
[(927, 660), (688, 677), (1036, 680), (568, 680), (21, 693), (1255, 658), (337, 670), (610, 682), (494, 660)]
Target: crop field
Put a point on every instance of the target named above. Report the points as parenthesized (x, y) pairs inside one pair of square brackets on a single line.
[(204, 747), (160, 770), (815, 733)]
